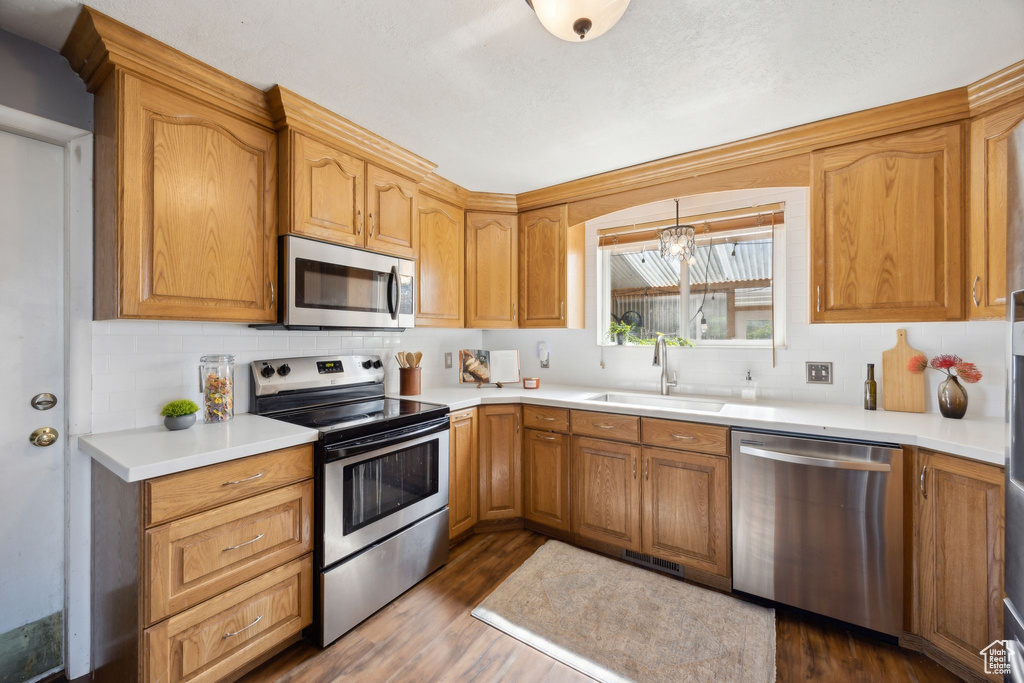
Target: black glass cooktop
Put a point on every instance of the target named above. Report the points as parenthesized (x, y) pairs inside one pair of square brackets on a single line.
[(349, 420)]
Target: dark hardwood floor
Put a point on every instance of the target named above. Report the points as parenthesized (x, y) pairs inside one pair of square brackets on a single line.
[(428, 635)]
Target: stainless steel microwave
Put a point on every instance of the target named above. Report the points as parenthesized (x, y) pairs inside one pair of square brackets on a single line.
[(326, 285)]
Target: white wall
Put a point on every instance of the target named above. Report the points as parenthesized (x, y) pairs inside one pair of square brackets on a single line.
[(576, 357), (139, 365)]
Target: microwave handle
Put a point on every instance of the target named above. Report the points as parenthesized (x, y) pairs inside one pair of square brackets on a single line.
[(393, 293)]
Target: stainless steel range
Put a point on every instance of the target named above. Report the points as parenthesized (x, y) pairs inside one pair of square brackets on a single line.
[(381, 480)]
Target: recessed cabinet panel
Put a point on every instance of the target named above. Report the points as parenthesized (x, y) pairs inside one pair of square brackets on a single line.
[(501, 484), (551, 269), (392, 206), (463, 472), (606, 493), (886, 229), (546, 478), (328, 192), (492, 270), (197, 212), (440, 287)]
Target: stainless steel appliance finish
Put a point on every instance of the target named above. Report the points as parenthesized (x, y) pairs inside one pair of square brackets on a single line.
[(818, 525), (661, 358), (326, 285), (1013, 622), (353, 590)]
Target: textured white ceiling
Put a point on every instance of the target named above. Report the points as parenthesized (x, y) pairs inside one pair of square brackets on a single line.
[(481, 89)]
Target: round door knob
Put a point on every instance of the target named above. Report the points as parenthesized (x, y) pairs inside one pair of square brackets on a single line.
[(44, 436), (267, 371), (367, 364), (284, 370)]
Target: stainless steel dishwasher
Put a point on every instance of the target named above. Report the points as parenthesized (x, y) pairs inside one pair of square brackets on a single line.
[(818, 524)]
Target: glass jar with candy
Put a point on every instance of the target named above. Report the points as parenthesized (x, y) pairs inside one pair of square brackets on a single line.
[(217, 382)]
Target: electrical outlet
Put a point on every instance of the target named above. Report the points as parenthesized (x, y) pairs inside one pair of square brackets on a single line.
[(819, 373), (447, 359)]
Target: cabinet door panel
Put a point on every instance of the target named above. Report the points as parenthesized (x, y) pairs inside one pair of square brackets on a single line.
[(198, 220), (492, 270), (501, 487), (686, 509), (546, 473), (328, 192), (440, 285), (392, 207), (606, 492), (463, 473), (542, 264), (886, 229), (986, 276), (960, 547)]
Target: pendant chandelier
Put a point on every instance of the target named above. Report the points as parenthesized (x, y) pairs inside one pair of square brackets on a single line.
[(578, 20), (678, 243)]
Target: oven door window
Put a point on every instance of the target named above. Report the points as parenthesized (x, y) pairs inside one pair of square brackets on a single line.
[(377, 487), (340, 288)]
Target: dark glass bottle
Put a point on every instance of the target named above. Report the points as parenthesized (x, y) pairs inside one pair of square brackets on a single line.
[(871, 389)]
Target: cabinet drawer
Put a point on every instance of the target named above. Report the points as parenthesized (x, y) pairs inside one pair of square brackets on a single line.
[(185, 493), (688, 436), (548, 419), (195, 558), (606, 425), (222, 635)]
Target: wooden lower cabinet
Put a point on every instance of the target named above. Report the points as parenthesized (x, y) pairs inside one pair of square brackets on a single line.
[(463, 472), (213, 640), (686, 509), (606, 492), (546, 479), (501, 486), (959, 544)]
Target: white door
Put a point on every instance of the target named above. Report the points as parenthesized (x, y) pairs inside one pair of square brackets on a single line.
[(32, 339)]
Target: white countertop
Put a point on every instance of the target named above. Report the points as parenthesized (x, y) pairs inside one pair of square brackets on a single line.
[(977, 438), (137, 454), (147, 452)]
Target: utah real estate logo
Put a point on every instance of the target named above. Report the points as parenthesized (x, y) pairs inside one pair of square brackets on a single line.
[(997, 657)]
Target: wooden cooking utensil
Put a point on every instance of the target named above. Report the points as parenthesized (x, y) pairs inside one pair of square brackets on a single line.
[(417, 357), (409, 360), (901, 390), (400, 358)]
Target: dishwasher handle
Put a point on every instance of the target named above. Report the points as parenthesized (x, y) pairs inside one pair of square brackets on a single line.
[(865, 465)]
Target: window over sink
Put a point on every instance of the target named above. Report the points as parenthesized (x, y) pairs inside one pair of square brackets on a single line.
[(727, 294)]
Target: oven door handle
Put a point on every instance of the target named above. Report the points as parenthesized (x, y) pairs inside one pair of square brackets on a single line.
[(393, 292), (370, 448)]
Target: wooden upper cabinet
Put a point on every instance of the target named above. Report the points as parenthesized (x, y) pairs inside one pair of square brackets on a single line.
[(886, 230), (391, 203), (686, 509), (323, 191), (191, 233), (959, 541), (551, 269), (986, 272), (546, 479), (440, 282), (501, 483), (606, 492), (492, 270), (463, 472)]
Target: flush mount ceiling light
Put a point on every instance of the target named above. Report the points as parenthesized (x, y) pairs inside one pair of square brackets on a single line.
[(678, 243), (578, 20)]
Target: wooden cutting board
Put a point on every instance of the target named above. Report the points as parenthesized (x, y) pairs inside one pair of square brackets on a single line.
[(901, 389)]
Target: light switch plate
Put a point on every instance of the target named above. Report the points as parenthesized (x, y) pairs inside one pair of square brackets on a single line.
[(447, 359), (819, 372)]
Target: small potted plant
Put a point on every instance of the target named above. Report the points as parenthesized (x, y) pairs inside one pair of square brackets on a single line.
[(618, 331), (952, 395), (180, 414)]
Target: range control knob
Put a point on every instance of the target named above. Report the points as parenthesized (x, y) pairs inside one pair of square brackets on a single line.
[(284, 370), (367, 364), (267, 371), (377, 364)]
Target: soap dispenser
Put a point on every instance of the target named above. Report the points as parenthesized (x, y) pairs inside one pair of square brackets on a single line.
[(749, 389)]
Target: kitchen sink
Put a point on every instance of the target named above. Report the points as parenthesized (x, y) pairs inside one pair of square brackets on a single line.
[(679, 403)]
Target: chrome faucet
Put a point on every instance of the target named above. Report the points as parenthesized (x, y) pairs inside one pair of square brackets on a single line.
[(661, 358)]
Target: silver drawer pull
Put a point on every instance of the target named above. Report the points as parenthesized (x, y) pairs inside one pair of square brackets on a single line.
[(242, 545), (546, 419), (235, 633), (547, 438), (683, 436), (605, 426), (242, 481)]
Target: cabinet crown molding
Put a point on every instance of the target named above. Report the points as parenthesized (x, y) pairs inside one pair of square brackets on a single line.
[(98, 45), (1002, 87), (291, 110)]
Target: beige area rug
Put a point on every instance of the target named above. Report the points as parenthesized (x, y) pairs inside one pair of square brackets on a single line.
[(616, 622)]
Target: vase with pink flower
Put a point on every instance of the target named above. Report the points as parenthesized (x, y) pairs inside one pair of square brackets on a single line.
[(952, 395)]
